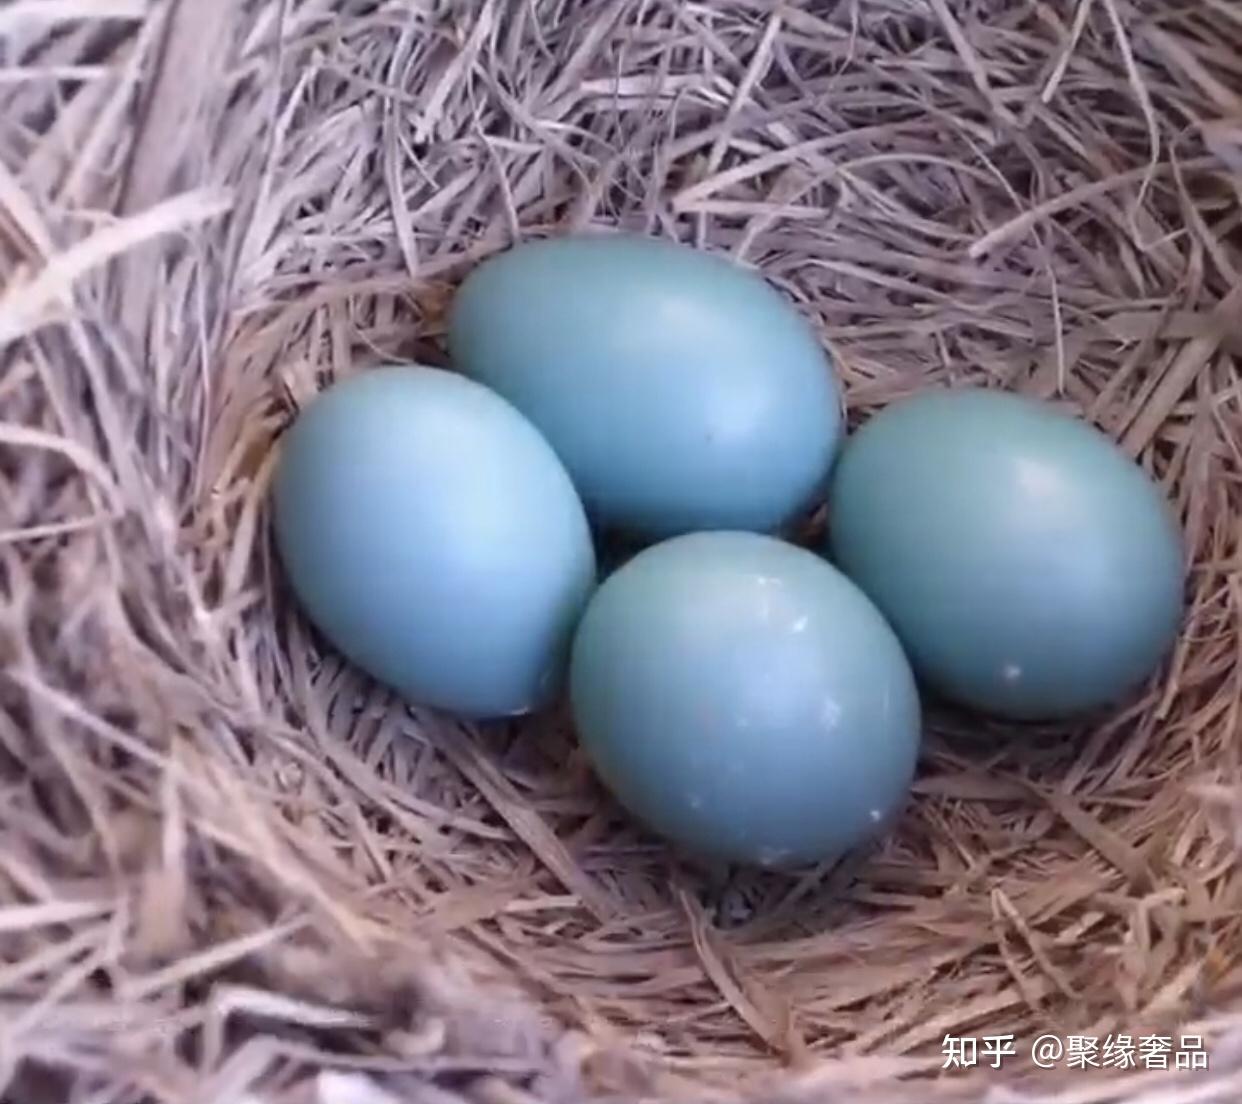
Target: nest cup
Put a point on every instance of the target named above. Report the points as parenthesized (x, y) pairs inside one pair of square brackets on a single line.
[(232, 868)]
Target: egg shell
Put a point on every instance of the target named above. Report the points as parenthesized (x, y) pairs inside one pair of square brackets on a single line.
[(1031, 569), (742, 698), (435, 539), (682, 391)]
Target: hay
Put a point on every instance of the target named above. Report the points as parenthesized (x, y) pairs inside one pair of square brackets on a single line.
[(231, 870)]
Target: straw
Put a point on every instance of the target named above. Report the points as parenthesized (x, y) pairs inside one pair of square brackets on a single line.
[(232, 869)]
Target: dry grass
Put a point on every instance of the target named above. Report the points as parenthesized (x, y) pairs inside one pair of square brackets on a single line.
[(227, 864)]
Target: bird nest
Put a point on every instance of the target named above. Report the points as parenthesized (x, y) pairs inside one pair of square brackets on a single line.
[(232, 869)]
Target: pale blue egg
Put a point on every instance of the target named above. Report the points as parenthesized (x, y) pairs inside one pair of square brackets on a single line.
[(1030, 567), (435, 539), (741, 697), (681, 390)]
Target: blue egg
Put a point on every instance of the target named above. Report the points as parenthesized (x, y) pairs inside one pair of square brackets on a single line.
[(742, 698), (435, 539), (1030, 568), (681, 390)]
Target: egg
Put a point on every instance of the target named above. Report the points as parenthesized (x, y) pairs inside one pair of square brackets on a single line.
[(742, 698), (1030, 568), (681, 390), (434, 538)]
